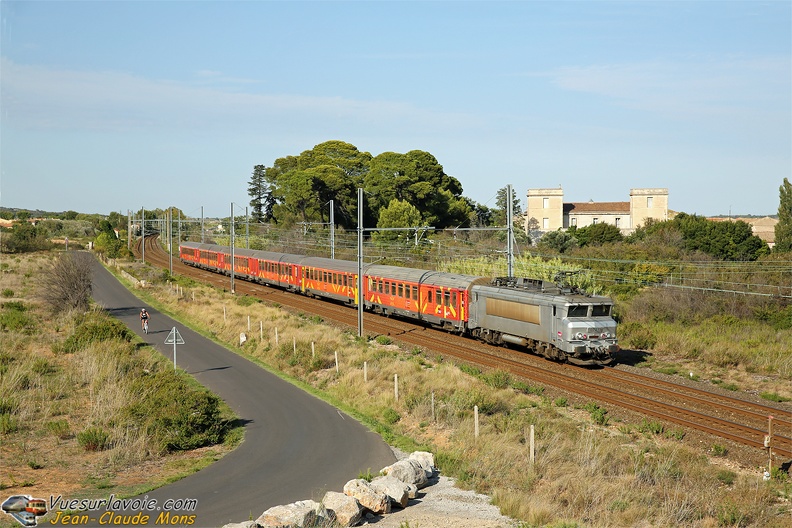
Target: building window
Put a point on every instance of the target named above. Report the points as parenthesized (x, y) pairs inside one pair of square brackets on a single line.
[(574, 221), (649, 201), (618, 221), (595, 221), (546, 203), (545, 223)]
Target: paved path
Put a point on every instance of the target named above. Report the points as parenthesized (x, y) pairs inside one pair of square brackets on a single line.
[(296, 446)]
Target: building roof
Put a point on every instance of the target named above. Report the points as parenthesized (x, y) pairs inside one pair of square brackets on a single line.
[(597, 207)]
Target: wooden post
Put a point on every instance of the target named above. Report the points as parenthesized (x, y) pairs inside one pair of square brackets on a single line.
[(531, 442), (433, 410), (313, 351), (261, 330), (276, 336), (396, 386), (336, 358), (768, 443), (294, 344), (365, 371), (475, 421), (224, 314), (248, 323)]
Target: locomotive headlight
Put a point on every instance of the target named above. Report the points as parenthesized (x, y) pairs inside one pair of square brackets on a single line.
[(580, 335), (605, 335)]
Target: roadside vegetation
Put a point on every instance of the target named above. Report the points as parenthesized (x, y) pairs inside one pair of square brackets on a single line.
[(84, 408)]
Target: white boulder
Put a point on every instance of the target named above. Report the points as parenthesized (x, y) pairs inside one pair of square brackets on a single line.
[(347, 510), (376, 501), (395, 489)]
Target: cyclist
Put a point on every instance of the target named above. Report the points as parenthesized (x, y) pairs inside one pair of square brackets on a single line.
[(144, 317)]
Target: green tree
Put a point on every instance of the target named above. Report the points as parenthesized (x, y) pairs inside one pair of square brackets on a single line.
[(501, 201), (597, 234), (261, 197), (723, 240), (783, 229), (417, 178), (25, 237), (398, 214), (558, 241), (302, 185)]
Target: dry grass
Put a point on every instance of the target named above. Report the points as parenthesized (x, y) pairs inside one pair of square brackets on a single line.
[(584, 474)]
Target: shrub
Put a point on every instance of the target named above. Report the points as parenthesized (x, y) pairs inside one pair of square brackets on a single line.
[(59, 429), (773, 396), (528, 389), (651, 427), (497, 379), (67, 284), (42, 367), (8, 424), (93, 439), (246, 300), (390, 416), (8, 292), (637, 336), (95, 327), (178, 416), (726, 477), (718, 450), (598, 414), (383, 340), (14, 318)]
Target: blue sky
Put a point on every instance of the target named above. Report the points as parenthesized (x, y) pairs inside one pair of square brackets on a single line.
[(112, 106)]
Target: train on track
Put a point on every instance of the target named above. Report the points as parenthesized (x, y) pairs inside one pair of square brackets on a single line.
[(550, 319)]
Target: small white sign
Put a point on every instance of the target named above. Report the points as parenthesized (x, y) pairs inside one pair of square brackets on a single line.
[(174, 338)]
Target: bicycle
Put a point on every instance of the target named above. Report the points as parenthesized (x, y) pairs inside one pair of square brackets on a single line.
[(145, 326)]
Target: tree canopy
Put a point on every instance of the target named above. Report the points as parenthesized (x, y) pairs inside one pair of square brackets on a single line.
[(302, 186)]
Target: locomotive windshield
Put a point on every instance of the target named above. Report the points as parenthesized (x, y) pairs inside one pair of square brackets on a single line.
[(600, 310), (579, 310)]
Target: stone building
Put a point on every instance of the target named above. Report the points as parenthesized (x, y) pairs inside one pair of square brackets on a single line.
[(546, 210)]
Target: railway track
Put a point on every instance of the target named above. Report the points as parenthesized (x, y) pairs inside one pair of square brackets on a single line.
[(740, 420)]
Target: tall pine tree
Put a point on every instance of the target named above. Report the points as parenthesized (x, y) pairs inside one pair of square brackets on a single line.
[(783, 229), (261, 197)]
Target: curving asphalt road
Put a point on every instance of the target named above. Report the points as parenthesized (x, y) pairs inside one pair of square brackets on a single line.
[(296, 446)]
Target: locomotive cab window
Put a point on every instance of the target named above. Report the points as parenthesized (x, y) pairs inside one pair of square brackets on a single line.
[(600, 310), (578, 311)]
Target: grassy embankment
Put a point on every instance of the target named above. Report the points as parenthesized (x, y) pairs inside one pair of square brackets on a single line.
[(591, 470)]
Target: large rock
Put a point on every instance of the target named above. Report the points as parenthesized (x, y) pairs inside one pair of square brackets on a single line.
[(246, 524), (347, 510), (300, 513), (408, 471), (370, 499), (395, 489), (426, 460)]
